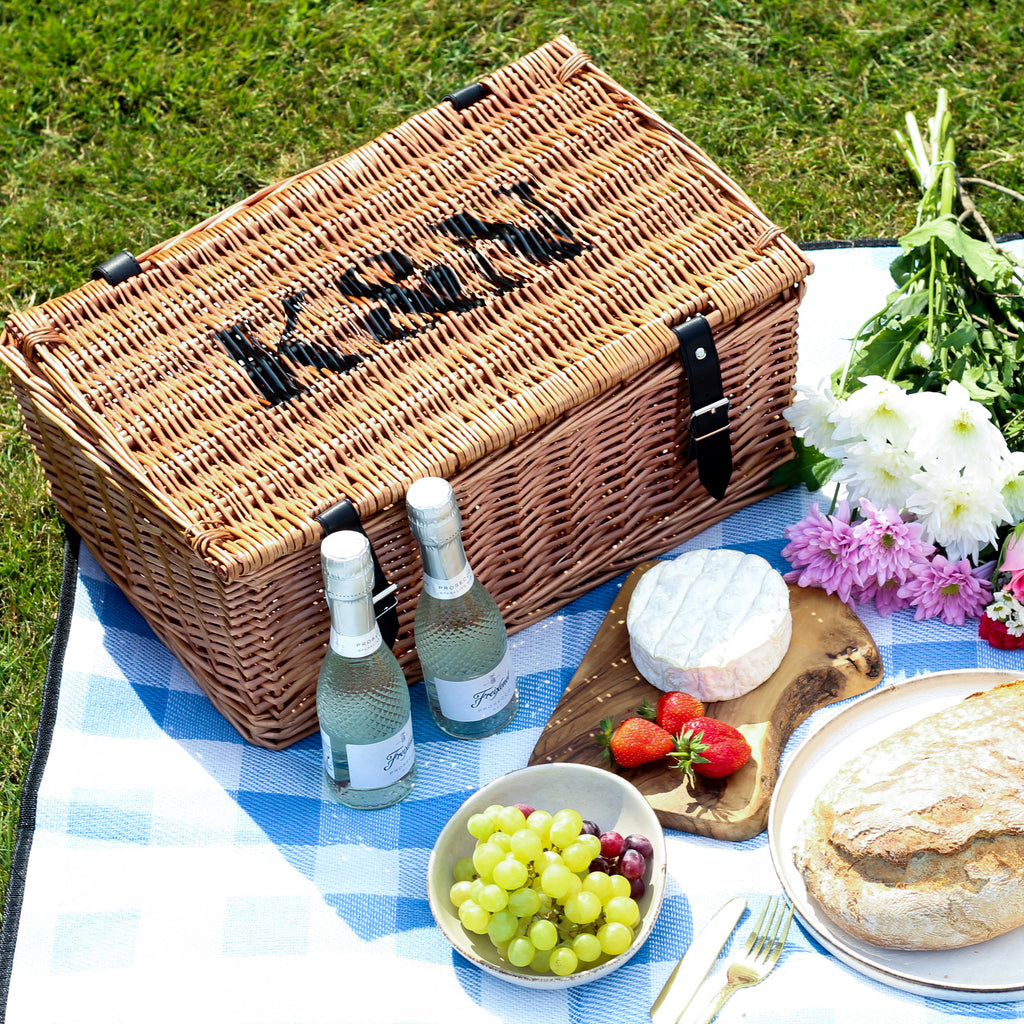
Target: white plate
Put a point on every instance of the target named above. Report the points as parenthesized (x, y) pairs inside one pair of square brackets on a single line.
[(986, 972)]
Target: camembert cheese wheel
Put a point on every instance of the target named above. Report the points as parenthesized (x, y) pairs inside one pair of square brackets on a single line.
[(714, 623)]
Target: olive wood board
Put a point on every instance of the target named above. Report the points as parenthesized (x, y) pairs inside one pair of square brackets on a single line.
[(831, 657)]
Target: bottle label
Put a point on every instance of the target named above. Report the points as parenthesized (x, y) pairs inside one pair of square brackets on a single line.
[(356, 646), (473, 700), (375, 765), (449, 589)]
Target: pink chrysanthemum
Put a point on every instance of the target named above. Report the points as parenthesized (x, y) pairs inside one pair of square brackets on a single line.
[(820, 548), (886, 594), (888, 545), (948, 589)]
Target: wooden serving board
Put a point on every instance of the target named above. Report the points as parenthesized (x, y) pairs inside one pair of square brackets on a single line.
[(831, 657)]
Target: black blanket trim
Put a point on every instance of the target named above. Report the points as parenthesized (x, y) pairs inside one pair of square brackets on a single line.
[(34, 775), (51, 693)]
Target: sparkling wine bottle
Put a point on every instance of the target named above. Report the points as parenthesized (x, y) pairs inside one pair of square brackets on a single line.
[(362, 698), (460, 635)]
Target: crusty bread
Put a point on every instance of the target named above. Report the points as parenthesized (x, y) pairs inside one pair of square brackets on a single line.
[(918, 841)]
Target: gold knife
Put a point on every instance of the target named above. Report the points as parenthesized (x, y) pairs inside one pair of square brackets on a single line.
[(695, 963)]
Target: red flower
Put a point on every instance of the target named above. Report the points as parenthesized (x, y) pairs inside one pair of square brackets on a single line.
[(996, 633)]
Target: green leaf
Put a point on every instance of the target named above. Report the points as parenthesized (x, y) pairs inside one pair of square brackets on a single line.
[(810, 467), (986, 263)]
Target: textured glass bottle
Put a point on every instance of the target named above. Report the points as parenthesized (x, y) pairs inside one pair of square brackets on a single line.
[(362, 698), (460, 635)]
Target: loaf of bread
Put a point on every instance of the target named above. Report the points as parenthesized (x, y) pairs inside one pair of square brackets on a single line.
[(918, 841)]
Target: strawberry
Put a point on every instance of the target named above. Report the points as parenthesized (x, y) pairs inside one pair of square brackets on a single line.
[(635, 741), (711, 748), (674, 710)]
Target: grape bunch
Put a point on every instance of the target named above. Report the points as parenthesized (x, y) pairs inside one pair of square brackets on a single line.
[(551, 891)]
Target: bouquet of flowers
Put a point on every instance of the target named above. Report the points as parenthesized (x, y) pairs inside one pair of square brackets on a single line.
[(934, 482), (1002, 623), (924, 425)]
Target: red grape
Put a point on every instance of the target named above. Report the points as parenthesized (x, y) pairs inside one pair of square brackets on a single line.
[(632, 864), (612, 845), (640, 843)]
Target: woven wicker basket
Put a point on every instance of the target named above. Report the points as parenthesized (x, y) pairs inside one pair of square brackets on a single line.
[(484, 293)]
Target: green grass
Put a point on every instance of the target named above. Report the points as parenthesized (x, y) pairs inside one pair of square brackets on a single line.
[(125, 122)]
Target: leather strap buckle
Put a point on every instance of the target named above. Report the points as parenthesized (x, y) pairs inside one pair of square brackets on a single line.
[(709, 433)]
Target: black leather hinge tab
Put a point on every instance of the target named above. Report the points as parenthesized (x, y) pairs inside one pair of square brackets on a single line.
[(343, 516), (117, 269), (709, 441), (468, 95)]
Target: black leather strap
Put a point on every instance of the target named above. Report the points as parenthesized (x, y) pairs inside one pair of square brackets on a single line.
[(709, 441), (343, 516)]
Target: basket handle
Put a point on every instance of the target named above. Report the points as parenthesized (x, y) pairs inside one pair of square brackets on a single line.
[(709, 441), (343, 516)]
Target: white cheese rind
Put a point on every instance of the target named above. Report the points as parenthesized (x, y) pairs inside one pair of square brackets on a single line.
[(714, 623)]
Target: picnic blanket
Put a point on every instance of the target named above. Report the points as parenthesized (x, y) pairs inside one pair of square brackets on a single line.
[(167, 870)]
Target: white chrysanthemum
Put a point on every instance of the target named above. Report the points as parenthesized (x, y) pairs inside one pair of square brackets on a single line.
[(1013, 485), (878, 413), (955, 430), (1005, 608), (959, 512), (809, 414), (882, 473)]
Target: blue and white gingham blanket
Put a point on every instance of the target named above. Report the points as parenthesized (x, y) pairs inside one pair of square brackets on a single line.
[(173, 872)]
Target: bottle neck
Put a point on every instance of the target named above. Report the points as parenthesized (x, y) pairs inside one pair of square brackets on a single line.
[(354, 629), (446, 570)]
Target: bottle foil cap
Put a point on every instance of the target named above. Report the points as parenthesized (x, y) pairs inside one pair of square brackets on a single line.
[(347, 565), (433, 511)]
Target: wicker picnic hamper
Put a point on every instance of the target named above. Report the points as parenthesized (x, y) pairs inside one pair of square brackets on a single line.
[(494, 291)]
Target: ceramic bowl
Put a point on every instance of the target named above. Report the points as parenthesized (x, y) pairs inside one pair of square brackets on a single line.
[(599, 795)]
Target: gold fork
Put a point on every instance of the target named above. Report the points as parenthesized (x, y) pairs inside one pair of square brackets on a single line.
[(760, 953)]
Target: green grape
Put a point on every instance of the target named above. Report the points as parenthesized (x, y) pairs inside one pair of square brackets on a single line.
[(583, 907), (620, 885), (540, 822), (576, 856), (510, 873), (615, 938), (622, 910), (565, 827), (587, 947), (563, 961), (485, 856), (543, 934), (479, 826), (527, 845), (510, 819), (492, 811), (524, 902), (575, 885), (547, 858), (501, 928), (502, 840), (464, 870), (473, 917), (546, 902), (600, 885), (493, 898), (521, 951), (476, 888), (539, 963), (556, 880), (592, 844), (460, 892)]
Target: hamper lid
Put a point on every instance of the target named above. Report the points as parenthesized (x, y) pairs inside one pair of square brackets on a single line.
[(405, 309)]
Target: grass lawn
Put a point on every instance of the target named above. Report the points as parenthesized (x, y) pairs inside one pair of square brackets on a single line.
[(125, 122)]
